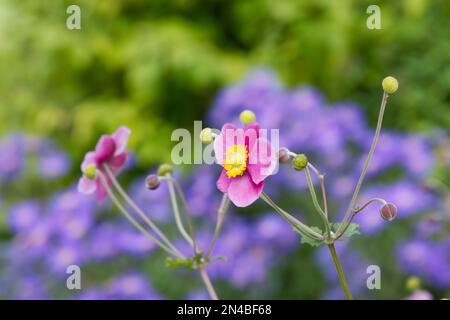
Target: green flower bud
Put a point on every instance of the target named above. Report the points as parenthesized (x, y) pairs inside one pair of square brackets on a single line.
[(390, 84), (164, 169), (247, 117), (206, 136), (152, 182), (299, 162), (413, 283), (90, 171)]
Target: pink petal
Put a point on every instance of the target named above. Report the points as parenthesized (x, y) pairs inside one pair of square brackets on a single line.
[(101, 192), (252, 133), (121, 139), (223, 182), (89, 158), (105, 149), (230, 135), (243, 191), (262, 161), (86, 186), (118, 162)]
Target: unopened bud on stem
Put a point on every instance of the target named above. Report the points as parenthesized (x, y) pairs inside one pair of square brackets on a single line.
[(152, 182), (247, 117), (283, 155), (388, 211), (206, 136), (299, 162), (390, 84), (164, 169)]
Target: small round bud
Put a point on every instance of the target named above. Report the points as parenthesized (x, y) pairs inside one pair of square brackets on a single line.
[(283, 155), (299, 162), (152, 182), (164, 169), (206, 136), (388, 211), (247, 117), (390, 84), (90, 171), (413, 283)]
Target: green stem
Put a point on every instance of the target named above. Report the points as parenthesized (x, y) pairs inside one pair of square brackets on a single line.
[(185, 208), (224, 204), (322, 186), (138, 210), (133, 221), (292, 220), (344, 285), (176, 211), (316, 203), (366, 165), (208, 284)]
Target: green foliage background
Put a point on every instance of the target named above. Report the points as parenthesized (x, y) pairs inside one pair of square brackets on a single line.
[(155, 65)]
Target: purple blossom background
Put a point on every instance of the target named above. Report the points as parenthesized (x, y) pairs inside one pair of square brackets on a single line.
[(45, 234)]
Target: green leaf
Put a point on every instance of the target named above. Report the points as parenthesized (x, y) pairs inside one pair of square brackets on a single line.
[(305, 239), (188, 263), (180, 263), (353, 229)]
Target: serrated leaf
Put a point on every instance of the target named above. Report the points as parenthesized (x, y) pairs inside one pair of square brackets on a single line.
[(353, 229), (305, 239)]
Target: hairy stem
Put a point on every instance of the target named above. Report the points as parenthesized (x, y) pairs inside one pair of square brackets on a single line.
[(344, 285)]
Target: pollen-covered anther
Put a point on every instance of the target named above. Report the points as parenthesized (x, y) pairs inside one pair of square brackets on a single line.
[(235, 162)]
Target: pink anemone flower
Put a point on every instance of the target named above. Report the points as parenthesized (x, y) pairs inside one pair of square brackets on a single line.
[(110, 150), (247, 160)]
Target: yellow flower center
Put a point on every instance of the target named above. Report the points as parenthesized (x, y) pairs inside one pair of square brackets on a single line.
[(235, 160)]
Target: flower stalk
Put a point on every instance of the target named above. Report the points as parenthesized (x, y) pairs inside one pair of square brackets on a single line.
[(366, 165), (344, 285), (224, 205), (176, 211)]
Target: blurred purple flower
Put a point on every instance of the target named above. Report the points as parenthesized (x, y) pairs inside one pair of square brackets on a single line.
[(133, 242), (428, 260), (62, 256), (22, 216), (72, 214), (103, 242), (131, 285), (408, 197), (198, 295), (53, 164), (12, 156), (420, 295), (273, 231)]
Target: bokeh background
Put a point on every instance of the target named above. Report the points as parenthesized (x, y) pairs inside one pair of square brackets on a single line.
[(310, 68)]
